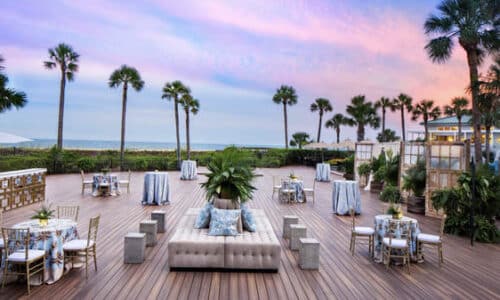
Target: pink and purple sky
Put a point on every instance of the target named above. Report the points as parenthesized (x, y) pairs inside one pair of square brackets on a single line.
[(232, 54)]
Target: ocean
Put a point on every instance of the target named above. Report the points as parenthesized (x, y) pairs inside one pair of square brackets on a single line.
[(130, 145)]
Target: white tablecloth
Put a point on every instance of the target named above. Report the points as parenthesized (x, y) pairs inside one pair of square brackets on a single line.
[(345, 196), (188, 170), (322, 172), (156, 188)]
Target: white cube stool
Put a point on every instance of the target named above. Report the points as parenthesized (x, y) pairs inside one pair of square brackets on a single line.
[(287, 221), (297, 231), (134, 248), (149, 227), (160, 216), (308, 254)]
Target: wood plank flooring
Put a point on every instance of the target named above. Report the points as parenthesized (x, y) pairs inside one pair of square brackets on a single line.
[(468, 272)]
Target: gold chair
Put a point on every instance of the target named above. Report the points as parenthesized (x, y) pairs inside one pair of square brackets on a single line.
[(432, 240), (85, 182), (19, 259), (126, 182), (68, 212), (1, 237), (276, 185), (396, 244), (83, 248), (363, 232), (310, 191)]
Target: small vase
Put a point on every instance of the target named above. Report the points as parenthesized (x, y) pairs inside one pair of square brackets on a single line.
[(43, 222)]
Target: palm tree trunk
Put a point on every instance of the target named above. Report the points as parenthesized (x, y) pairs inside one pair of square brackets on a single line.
[(472, 61), (178, 139), (286, 125), (338, 134), (61, 110), (319, 126), (487, 147), (403, 122), (124, 116), (361, 132), (187, 135), (426, 131), (383, 121), (459, 128)]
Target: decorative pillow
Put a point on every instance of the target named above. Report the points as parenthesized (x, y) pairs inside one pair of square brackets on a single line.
[(203, 218), (229, 204), (247, 218), (224, 221)]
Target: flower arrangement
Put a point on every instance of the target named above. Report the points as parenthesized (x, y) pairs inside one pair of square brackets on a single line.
[(395, 211), (293, 176), (43, 214)]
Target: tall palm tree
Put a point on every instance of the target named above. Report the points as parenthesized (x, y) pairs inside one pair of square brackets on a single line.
[(383, 103), (192, 105), (9, 98), (362, 114), (474, 23), (321, 105), (174, 91), (299, 139), (459, 109), (401, 103), (336, 121), (287, 96), (124, 76), (426, 110), (64, 57)]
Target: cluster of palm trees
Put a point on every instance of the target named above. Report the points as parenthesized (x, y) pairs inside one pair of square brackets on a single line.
[(66, 59)]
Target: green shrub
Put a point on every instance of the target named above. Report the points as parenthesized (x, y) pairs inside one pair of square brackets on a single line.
[(390, 194), (86, 164)]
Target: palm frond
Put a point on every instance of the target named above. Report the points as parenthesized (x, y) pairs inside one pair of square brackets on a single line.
[(440, 49)]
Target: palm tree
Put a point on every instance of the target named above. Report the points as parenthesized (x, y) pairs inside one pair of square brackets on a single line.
[(285, 95), (383, 103), (321, 105), (190, 105), (426, 110), (401, 103), (459, 109), (174, 91), (388, 135), (64, 57), (336, 121), (489, 101), (299, 139), (474, 23), (124, 76), (9, 98), (363, 114)]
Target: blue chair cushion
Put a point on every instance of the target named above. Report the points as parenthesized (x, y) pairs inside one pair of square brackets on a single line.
[(203, 218), (224, 222), (247, 218)]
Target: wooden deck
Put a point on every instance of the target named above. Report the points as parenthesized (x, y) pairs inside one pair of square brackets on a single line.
[(467, 272)]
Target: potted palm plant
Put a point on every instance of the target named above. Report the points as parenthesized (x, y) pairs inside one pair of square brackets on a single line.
[(364, 172), (379, 170), (414, 183), (230, 176), (43, 215)]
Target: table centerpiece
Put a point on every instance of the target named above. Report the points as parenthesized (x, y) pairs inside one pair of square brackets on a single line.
[(43, 215)]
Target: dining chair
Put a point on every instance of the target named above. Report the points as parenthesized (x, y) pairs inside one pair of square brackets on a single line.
[(85, 182), (287, 192), (362, 232), (19, 259), (398, 239), (276, 185), (432, 240), (83, 248), (310, 191), (68, 212), (1, 237), (126, 182)]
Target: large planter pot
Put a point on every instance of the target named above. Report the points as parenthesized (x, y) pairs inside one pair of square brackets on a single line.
[(416, 205), (349, 176), (376, 187)]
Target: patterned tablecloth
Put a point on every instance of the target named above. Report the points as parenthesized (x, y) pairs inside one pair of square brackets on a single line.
[(105, 185), (381, 227), (345, 196), (298, 186), (322, 172), (51, 239), (188, 170), (156, 188)]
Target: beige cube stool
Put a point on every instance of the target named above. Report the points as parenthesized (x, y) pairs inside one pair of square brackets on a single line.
[(287, 221), (297, 231), (134, 248), (308, 254), (160, 216), (149, 227)]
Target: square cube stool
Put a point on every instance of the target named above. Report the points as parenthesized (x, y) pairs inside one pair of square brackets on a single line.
[(287, 221), (149, 227), (134, 248), (160, 216), (297, 231), (308, 254)]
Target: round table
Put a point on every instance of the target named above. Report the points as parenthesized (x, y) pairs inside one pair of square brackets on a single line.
[(188, 170), (345, 196), (298, 186), (156, 188), (381, 227), (322, 172), (51, 239), (105, 185)]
